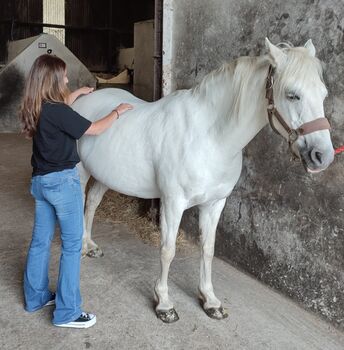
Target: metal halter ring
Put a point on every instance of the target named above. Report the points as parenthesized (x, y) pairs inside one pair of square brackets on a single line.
[(293, 135)]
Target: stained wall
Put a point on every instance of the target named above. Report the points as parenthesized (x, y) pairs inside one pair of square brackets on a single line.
[(280, 224)]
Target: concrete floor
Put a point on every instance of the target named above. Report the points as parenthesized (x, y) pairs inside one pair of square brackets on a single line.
[(118, 288)]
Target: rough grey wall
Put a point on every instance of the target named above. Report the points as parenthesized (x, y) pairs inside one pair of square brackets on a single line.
[(21, 54), (280, 224), (12, 82)]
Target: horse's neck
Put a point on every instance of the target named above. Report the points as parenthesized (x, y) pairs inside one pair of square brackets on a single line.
[(236, 98)]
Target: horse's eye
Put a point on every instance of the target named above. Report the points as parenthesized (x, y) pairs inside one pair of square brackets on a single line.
[(293, 96)]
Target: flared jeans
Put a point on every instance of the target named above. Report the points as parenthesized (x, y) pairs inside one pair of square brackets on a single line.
[(58, 198)]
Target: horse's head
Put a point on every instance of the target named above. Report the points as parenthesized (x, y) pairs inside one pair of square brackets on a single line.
[(296, 93)]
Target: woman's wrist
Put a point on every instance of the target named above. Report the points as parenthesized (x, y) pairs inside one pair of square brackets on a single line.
[(116, 111)]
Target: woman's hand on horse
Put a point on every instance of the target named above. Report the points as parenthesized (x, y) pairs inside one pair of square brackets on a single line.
[(101, 125), (85, 90), (123, 107)]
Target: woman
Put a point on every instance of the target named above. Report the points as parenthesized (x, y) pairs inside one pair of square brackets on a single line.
[(54, 128)]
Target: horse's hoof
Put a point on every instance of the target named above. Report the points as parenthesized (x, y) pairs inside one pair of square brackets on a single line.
[(95, 253), (217, 313), (169, 316)]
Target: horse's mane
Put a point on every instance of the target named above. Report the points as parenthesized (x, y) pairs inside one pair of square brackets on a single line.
[(243, 75), (231, 80)]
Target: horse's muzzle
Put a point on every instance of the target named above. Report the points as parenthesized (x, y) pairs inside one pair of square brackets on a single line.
[(315, 159)]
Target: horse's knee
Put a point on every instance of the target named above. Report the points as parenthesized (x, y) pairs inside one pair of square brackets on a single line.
[(168, 252), (208, 252)]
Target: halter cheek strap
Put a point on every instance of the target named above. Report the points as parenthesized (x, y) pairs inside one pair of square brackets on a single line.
[(293, 134)]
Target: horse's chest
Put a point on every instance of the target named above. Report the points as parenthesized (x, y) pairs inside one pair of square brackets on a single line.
[(212, 184)]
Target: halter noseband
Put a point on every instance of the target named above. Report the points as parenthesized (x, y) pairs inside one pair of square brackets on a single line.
[(293, 134)]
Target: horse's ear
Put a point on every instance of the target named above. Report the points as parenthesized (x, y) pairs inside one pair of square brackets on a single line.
[(310, 47), (277, 56)]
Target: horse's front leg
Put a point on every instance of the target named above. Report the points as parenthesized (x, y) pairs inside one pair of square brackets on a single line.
[(171, 213), (208, 219), (94, 197)]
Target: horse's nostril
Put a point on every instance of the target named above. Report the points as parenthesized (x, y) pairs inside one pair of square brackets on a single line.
[(316, 156)]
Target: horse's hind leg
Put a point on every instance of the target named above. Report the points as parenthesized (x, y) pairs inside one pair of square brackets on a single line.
[(208, 219), (94, 197), (84, 177), (171, 214)]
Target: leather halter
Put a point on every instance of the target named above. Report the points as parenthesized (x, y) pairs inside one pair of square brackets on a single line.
[(293, 134)]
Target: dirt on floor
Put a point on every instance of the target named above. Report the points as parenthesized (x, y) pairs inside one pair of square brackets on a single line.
[(133, 212)]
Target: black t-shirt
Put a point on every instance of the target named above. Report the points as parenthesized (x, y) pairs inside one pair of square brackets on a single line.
[(54, 143)]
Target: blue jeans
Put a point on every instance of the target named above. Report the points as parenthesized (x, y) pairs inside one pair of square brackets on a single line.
[(58, 197)]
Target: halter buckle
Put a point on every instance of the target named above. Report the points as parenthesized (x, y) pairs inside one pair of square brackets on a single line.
[(293, 135)]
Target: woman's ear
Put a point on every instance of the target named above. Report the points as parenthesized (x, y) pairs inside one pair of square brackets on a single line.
[(276, 56)]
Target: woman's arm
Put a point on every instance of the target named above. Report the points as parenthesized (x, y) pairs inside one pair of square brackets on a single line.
[(101, 125), (75, 94)]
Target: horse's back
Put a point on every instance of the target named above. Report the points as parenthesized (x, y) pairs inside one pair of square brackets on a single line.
[(101, 102), (121, 157)]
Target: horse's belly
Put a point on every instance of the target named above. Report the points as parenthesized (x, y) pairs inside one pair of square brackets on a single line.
[(127, 180), (124, 169)]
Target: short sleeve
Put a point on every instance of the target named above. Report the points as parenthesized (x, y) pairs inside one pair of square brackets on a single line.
[(68, 120)]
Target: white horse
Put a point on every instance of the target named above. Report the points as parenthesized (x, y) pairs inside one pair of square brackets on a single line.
[(186, 148)]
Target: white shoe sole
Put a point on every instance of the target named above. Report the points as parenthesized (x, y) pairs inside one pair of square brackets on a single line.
[(87, 324)]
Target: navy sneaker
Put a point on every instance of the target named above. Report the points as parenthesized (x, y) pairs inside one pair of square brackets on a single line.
[(85, 320), (51, 301)]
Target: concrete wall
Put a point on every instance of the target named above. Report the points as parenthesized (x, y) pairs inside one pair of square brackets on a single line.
[(280, 224)]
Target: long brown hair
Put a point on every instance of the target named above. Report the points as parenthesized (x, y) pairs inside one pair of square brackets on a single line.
[(45, 82)]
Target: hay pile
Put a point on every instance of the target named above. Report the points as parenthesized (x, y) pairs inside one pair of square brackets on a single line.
[(119, 208)]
